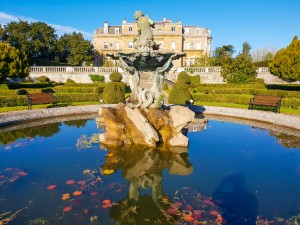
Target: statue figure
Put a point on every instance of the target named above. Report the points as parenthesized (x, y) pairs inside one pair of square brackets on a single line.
[(145, 25)]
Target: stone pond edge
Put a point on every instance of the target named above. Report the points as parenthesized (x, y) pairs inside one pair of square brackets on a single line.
[(290, 121)]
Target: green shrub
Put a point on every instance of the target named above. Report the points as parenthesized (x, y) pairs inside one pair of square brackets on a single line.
[(264, 63), (115, 77), (97, 78), (195, 80), (47, 90), (29, 85), (259, 81), (43, 79), (83, 97), (180, 94), (223, 98), (21, 92), (114, 92), (14, 100), (184, 77), (70, 81)]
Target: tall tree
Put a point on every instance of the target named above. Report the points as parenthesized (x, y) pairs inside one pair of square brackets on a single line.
[(37, 39), (13, 62), (222, 55), (246, 49), (74, 49), (286, 63)]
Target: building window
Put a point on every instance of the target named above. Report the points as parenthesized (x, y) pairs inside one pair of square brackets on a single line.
[(172, 28), (198, 30), (187, 30), (117, 45), (187, 45), (130, 29), (130, 44), (198, 45), (105, 45), (173, 46), (117, 30)]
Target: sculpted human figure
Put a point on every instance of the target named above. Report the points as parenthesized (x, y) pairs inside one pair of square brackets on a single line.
[(144, 23)]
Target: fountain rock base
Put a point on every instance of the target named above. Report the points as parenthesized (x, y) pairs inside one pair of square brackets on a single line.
[(149, 127)]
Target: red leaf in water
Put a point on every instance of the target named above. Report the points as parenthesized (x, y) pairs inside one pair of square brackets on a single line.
[(197, 214), (178, 203), (188, 217), (9, 169), (69, 182), (67, 209), (2, 176), (119, 190), (81, 182), (172, 211), (189, 208), (51, 187), (214, 213), (22, 173), (94, 193), (106, 201), (208, 202)]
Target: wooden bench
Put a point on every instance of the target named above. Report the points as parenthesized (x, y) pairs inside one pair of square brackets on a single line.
[(266, 100), (33, 98)]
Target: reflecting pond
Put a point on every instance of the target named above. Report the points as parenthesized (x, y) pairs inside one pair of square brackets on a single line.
[(231, 174)]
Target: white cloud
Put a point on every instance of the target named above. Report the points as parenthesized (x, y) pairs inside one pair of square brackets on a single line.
[(60, 29)]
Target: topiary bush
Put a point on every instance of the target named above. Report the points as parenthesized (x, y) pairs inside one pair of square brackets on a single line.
[(115, 77), (70, 81), (47, 90), (195, 80), (97, 78), (43, 79), (184, 77), (180, 94), (21, 92), (114, 92)]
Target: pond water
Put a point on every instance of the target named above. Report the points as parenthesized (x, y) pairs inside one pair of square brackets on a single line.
[(231, 174)]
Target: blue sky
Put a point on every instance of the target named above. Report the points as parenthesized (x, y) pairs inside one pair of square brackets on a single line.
[(262, 23)]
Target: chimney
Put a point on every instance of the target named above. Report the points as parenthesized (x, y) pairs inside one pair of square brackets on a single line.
[(105, 26), (165, 19), (124, 21)]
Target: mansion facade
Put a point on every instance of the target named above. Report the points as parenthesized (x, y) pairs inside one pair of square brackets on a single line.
[(194, 41)]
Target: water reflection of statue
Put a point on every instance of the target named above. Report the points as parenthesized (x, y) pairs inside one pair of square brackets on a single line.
[(143, 169), (145, 25)]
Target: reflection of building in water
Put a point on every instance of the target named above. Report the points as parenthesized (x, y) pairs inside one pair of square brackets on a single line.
[(143, 167), (286, 140), (199, 124)]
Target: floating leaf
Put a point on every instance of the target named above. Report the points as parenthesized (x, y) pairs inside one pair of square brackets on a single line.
[(81, 182), (65, 196), (110, 154), (106, 201), (77, 193), (176, 192), (214, 213), (51, 187), (2, 176), (98, 179), (86, 171), (220, 219), (188, 217), (108, 171), (67, 209), (22, 173), (197, 214), (94, 193), (119, 190), (189, 208), (69, 182), (208, 202)]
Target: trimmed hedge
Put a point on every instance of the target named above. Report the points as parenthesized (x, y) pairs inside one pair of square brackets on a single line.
[(97, 78), (43, 79), (184, 77), (180, 94), (29, 85), (115, 77), (17, 100), (224, 98), (84, 97), (114, 92)]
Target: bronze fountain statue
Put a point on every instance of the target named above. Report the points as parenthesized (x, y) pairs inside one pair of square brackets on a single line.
[(146, 59)]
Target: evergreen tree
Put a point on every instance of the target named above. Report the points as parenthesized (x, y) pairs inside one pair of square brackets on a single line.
[(13, 62), (286, 62)]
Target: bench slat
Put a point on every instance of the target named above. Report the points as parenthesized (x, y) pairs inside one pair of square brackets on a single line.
[(40, 98), (266, 100)]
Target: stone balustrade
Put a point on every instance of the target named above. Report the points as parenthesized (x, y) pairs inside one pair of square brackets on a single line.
[(215, 69), (263, 70), (72, 69)]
